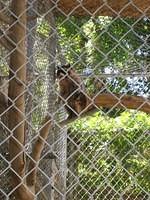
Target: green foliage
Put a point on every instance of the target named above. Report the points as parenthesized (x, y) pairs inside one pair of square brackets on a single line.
[(107, 41), (118, 41), (107, 45), (73, 40), (114, 152), (43, 28)]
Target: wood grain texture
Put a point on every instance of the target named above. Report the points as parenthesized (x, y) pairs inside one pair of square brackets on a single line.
[(124, 8)]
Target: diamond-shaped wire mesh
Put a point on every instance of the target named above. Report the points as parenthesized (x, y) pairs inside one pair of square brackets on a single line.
[(75, 100)]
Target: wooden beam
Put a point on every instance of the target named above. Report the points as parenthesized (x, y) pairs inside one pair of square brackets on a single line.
[(123, 8)]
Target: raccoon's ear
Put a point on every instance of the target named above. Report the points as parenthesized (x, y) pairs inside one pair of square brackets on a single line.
[(68, 66), (60, 69)]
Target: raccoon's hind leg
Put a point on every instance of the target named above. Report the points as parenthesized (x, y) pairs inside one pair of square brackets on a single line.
[(80, 103)]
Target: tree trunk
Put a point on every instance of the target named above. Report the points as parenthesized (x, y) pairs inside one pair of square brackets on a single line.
[(57, 166), (49, 161), (4, 134), (16, 91), (31, 65)]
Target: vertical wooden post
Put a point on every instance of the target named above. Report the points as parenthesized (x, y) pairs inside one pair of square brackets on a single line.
[(16, 93)]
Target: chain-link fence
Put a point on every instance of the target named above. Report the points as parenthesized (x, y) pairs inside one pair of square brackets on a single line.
[(74, 100)]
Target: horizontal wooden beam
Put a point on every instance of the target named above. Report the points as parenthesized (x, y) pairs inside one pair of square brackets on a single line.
[(123, 8), (110, 100)]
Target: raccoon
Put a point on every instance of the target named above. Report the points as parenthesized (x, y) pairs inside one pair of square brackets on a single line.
[(71, 90)]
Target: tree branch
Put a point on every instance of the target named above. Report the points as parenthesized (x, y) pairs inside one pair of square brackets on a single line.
[(3, 101), (36, 153), (108, 100), (6, 41), (4, 18)]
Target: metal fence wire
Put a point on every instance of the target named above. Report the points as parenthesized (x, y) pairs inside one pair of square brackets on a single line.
[(74, 100)]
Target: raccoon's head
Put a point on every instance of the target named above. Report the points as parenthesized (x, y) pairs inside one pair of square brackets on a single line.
[(63, 71)]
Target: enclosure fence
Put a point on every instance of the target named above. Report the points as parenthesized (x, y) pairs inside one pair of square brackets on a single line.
[(75, 100)]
